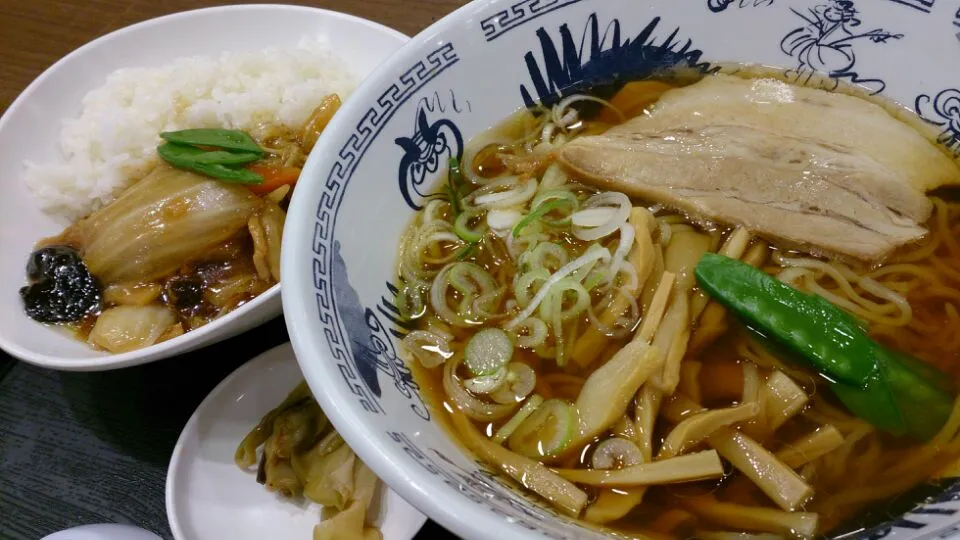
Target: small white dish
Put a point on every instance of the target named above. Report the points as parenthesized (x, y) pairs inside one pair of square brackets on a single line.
[(30, 131), (208, 496), (103, 531)]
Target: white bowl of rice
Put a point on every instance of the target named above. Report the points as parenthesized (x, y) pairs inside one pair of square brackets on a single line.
[(89, 126)]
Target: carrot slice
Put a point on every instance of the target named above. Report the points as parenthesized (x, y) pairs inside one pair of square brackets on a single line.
[(273, 178)]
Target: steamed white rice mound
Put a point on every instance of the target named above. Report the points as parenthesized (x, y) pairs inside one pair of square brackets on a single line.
[(113, 142)]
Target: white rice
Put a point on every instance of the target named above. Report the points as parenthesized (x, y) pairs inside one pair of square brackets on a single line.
[(114, 140)]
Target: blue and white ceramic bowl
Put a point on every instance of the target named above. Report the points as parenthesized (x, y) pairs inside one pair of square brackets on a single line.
[(466, 73)]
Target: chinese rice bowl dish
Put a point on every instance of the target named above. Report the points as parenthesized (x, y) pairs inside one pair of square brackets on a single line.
[(175, 180)]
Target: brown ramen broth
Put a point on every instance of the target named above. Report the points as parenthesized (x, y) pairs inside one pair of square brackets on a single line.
[(795, 461)]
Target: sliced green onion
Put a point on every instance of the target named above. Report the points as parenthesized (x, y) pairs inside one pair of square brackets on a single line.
[(471, 406), (531, 229), (569, 268), (480, 293), (473, 283), (554, 301), (536, 215), (601, 215), (507, 429), (532, 235), (564, 196), (531, 333), (545, 255), (593, 217), (581, 300), (625, 321), (519, 381), (469, 278), (581, 274), (616, 453), (432, 244), (431, 212), (454, 180), (456, 174), (545, 433), (594, 278), (466, 251), (555, 194), (545, 203), (503, 220), (525, 283), (462, 227), (485, 384), (632, 281), (435, 326), (506, 192), (559, 349), (627, 236), (483, 306), (488, 351)]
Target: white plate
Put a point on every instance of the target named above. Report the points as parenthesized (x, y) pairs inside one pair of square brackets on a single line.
[(210, 497)]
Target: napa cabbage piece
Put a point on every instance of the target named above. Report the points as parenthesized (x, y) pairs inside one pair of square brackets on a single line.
[(127, 328), (246, 454), (329, 480), (140, 294), (304, 455), (160, 223), (350, 522)]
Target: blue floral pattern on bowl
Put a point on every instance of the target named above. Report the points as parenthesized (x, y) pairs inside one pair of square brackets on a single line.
[(395, 137)]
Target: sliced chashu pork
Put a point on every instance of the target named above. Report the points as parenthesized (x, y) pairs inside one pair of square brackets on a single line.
[(822, 172)]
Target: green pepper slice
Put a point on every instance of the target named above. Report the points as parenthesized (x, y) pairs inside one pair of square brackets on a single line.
[(179, 153), (893, 391), (227, 139), (807, 325), (183, 158)]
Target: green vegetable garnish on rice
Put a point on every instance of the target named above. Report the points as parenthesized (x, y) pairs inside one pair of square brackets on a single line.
[(228, 139), (218, 153)]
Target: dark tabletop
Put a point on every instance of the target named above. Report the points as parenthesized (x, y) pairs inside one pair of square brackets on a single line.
[(79, 448)]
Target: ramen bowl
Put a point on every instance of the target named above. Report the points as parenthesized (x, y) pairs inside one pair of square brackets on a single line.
[(463, 75)]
